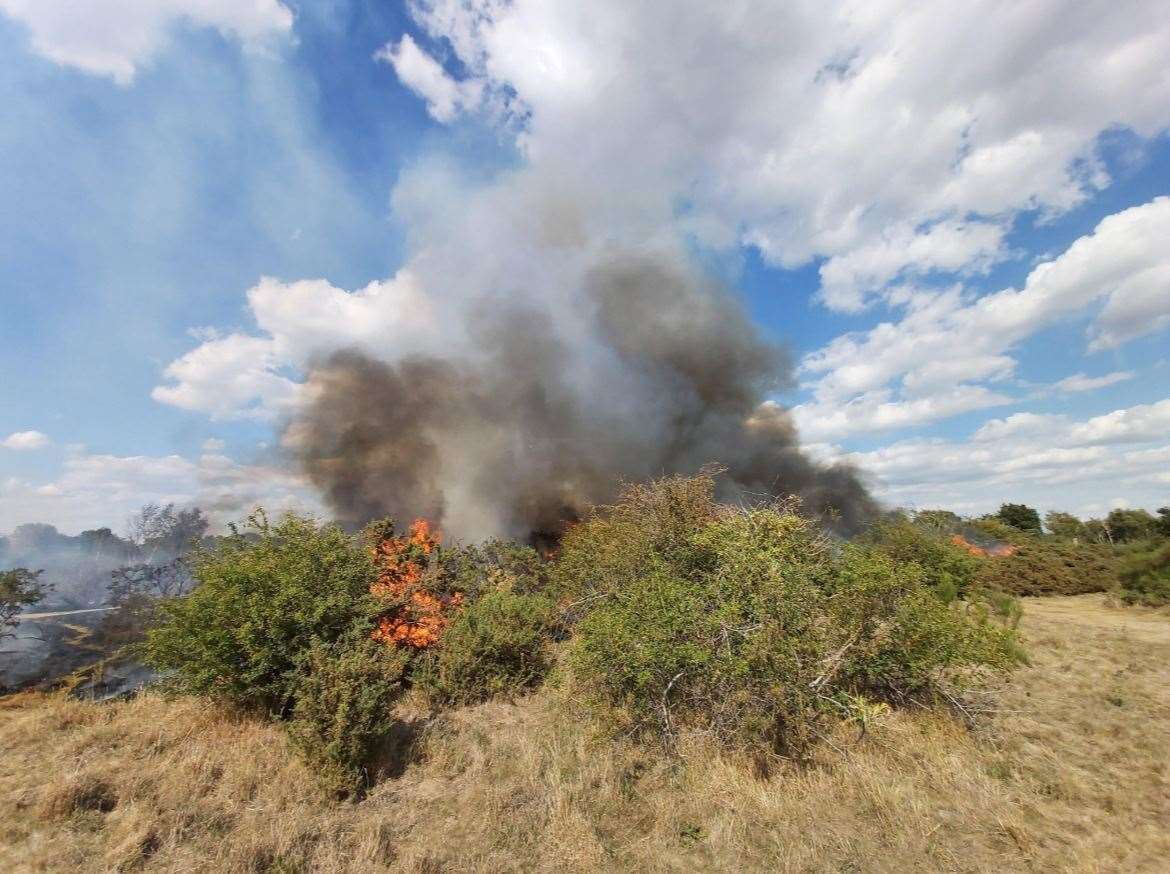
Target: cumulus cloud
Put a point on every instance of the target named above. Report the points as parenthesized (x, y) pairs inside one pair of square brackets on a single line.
[(116, 37), (426, 77), (1050, 461), (869, 134), (946, 341), (94, 490), (22, 441), (1079, 382)]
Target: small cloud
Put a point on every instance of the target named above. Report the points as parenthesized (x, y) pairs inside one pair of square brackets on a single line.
[(22, 441), (213, 444), (1081, 382)]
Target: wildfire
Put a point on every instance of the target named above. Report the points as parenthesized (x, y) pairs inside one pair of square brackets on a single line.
[(997, 551), (402, 561)]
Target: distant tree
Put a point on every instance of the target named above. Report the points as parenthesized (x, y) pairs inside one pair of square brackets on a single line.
[(1065, 526), (35, 537), (1164, 521), (104, 543), (1097, 531), (1126, 526), (938, 520), (1019, 516), (163, 533), (19, 588)]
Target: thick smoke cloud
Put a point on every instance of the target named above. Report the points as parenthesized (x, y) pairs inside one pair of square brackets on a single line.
[(536, 415)]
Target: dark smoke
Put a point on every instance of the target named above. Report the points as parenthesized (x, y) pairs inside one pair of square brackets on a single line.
[(524, 428)]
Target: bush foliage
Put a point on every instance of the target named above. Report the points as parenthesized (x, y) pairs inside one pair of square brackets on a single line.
[(950, 569), (342, 712), (1145, 575), (751, 624), (266, 598), (497, 645), (1045, 566)]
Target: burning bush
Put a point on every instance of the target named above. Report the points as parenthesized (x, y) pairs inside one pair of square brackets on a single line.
[(750, 623), (417, 613), (950, 567)]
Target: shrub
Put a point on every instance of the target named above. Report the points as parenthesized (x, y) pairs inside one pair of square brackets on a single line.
[(343, 703), (950, 570), (497, 645), (1043, 566), (608, 551), (752, 625), (496, 565), (264, 600), (1145, 576)]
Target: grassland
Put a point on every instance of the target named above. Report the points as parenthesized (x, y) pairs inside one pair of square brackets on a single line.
[(1069, 774)]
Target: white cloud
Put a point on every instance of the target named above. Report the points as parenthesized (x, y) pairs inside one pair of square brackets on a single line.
[(945, 343), (1049, 461), (231, 377), (21, 441), (116, 37), (213, 444), (1080, 382), (426, 77), (1139, 424), (949, 247), (244, 376), (870, 134), (875, 412), (103, 490)]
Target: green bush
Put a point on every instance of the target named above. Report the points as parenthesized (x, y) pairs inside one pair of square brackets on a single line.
[(752, 625), (343, 710), (496, 565), (1044, 566), (265, 598), (1145, 576), (497, 645), (950, 570)]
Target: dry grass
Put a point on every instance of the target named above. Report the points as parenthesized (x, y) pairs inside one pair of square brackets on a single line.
[(1070, 777)]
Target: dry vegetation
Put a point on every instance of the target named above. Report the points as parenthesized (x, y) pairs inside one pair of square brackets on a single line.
[(1070, 776)]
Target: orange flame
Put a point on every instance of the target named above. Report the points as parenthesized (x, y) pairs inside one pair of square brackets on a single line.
[(402, 562), (998, 551)]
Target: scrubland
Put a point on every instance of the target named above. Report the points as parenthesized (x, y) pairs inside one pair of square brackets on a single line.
[(1066, 771)]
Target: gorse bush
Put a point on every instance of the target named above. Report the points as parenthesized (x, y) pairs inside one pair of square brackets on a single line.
[(950, 569), (1145, 575), (266, 598), (751, 624), (1050, 567), (497, 645), (343, 709)]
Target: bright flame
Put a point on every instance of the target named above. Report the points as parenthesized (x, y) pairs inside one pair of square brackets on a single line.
[(421, 620), (997, 551)]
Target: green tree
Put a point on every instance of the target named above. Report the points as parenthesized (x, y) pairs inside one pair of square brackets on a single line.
[(1126, 526), (19, 588), (1164, 521), (938, 520), (1065, 526), (1019, 516)]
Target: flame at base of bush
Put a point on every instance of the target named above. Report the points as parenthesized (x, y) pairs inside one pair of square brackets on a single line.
[(418, 617)]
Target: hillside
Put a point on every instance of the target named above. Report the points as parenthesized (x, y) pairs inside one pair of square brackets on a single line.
[(1069, 775)]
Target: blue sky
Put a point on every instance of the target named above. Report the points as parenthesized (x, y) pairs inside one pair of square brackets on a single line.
[(964, 251)]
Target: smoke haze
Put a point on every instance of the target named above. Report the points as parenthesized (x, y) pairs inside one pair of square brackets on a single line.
[(650, 368)]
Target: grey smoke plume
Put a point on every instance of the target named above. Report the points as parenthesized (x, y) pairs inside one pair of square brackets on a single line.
[(657, 371)]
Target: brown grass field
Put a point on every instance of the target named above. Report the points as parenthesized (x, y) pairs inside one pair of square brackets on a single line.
[(1070, 774)]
